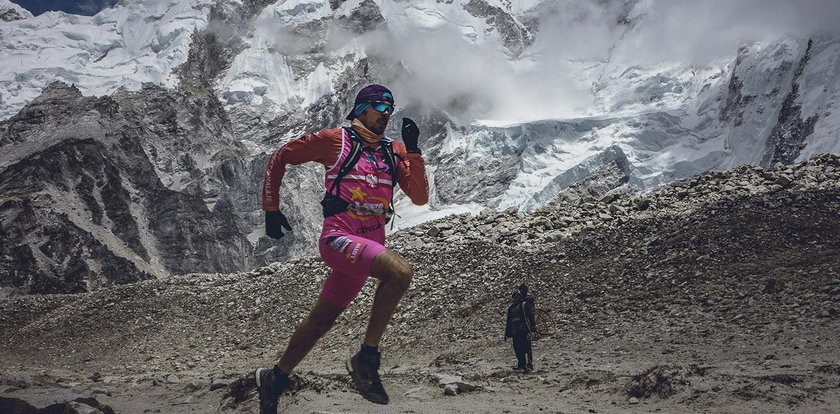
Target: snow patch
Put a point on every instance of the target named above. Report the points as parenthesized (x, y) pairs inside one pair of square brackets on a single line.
[(117, 47)]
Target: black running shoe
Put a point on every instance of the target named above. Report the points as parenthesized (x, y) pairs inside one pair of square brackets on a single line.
[(364, 369), (270, 384)]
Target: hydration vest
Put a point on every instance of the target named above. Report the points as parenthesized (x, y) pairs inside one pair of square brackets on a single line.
[(332, 203)]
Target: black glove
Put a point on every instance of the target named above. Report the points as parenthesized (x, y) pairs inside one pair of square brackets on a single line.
[(410, 134), (274, 223)]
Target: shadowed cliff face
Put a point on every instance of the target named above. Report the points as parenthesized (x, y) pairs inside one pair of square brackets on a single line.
[(83, 205), (787, 138)]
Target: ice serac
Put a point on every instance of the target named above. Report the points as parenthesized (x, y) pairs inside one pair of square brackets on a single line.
[(594, 177), (83, 202)]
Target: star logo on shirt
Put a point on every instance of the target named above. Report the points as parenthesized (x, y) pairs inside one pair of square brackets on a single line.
[(357, 194)]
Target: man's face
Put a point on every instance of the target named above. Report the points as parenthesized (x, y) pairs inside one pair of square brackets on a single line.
[(374, 120)]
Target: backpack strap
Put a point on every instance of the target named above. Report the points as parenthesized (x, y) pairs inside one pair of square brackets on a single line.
[(522, 305), (391, 160), (349, 162), (392, 164)]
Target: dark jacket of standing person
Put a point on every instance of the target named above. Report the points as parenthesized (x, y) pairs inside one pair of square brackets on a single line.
[(520, 322)]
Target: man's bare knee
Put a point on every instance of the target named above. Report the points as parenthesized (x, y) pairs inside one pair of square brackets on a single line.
[(403, 276), (390, 267)]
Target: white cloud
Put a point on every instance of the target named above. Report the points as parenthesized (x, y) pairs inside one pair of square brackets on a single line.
[(700, 31), (473, 81)]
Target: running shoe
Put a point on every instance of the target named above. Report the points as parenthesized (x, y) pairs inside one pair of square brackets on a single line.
[(364, 369), (270, 384)]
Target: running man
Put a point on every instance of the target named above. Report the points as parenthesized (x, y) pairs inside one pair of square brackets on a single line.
[(357, 206)]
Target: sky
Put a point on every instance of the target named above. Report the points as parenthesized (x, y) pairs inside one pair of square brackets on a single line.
[(83, 7)]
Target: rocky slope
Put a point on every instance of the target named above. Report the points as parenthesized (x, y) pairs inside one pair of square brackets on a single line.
[(85, 196), (717, 293)]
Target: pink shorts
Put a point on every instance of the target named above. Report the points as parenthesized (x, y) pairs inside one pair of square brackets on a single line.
[(350, 257)]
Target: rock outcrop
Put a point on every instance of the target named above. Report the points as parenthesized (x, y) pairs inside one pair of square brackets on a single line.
[(87, 198)]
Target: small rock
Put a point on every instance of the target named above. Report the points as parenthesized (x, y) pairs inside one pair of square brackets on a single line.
[(74, 407), (411, 392), (219, 384), (445, 379), (100, 391), (609, 198), (507, 380), (193, 387), (782, 181)]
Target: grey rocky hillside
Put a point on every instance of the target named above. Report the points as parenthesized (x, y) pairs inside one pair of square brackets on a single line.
[(107, 190), (727, 251)]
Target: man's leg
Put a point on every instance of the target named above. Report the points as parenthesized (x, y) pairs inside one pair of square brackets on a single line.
[(519, 350), (529, 354), (271, 382), (394, 274), (321, 318)]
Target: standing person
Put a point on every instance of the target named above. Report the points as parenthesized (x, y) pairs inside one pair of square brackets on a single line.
[(520, 322), (362, 168)]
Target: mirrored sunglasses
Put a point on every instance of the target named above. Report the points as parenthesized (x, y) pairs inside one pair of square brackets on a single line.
[(382, 107)]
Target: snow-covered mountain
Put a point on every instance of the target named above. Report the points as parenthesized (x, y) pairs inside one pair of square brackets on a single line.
[(521, 104), (10, 11)]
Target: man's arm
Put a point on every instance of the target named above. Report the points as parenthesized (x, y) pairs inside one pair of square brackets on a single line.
[(322, 147), (410, 164), (412, 174), (529, 314), (508, 327)]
